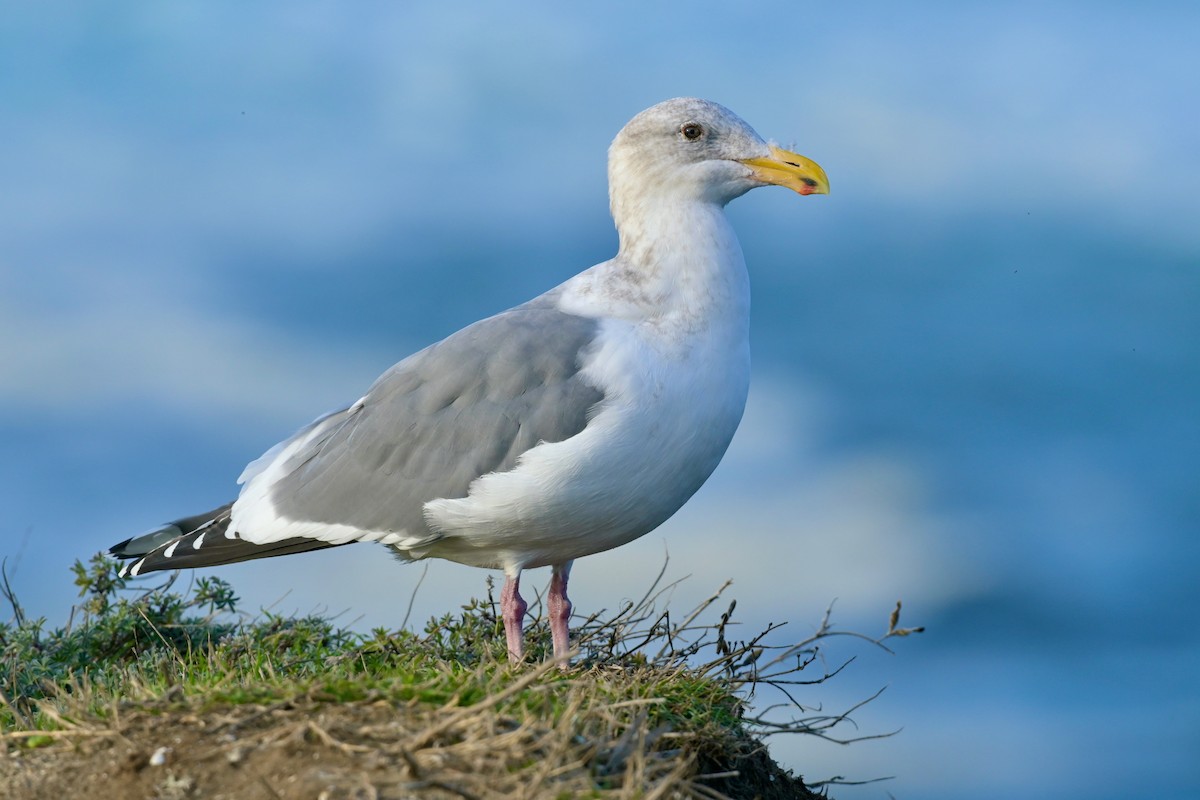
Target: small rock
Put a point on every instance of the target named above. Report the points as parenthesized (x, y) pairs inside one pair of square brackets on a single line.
[(159, 757)]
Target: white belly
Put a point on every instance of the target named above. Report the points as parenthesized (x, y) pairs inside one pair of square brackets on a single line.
[(672, 404)]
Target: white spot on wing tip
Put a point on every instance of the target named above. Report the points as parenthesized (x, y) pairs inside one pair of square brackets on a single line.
[(170, 551), (199, 541)]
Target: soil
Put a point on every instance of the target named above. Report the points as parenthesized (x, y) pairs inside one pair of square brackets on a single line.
[(308, 750)]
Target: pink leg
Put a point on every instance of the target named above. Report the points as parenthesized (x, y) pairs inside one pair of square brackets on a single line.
[(512, 609), (559, 606)]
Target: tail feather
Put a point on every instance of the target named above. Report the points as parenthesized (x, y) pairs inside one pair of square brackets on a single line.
[(200, 541)]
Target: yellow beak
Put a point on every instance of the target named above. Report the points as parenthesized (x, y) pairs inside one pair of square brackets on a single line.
[(785, 168)]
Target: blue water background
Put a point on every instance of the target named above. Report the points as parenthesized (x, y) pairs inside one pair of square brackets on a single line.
[(977, 362)]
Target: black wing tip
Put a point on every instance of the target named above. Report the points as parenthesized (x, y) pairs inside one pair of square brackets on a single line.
[(144, 546), (145, 543), (200, 541), (118, 549)]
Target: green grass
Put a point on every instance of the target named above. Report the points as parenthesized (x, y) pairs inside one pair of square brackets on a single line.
[(161, 640), (161, 650)]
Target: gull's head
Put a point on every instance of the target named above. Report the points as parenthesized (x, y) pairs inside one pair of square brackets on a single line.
[(695, 150)]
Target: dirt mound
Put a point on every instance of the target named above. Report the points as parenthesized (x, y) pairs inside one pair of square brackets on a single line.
[(306, 748)]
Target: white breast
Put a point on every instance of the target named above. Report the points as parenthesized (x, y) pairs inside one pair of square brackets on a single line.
[(673, 361)]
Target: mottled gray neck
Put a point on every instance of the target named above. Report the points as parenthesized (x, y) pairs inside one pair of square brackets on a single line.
[(682, 258)]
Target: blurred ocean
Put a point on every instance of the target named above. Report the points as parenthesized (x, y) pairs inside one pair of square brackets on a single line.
[(977, 362)]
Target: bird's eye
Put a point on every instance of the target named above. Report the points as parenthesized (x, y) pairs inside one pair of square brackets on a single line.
[(692, 131)]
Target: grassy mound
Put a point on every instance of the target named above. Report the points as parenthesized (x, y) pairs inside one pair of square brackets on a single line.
[(174, 695)]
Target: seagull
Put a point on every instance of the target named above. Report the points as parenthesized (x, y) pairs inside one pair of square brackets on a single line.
[(566, 426)]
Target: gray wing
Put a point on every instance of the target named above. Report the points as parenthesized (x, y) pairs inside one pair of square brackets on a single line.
[(466, 406)]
